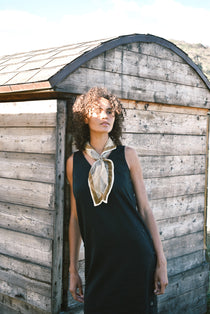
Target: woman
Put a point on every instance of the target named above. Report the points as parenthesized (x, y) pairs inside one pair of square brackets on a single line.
[(125, 267)]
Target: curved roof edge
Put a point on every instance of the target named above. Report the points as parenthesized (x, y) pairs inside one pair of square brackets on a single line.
[(121, 40)]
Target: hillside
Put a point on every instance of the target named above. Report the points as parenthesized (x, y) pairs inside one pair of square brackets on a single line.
[(199, 53)]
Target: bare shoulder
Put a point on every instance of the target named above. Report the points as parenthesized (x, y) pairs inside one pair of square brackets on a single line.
[(130, 151), (133, 162), (131, 156)]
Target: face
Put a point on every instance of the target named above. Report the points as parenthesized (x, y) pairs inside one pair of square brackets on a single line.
[(101, 118)]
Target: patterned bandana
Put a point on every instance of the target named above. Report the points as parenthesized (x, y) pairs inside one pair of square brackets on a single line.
[(101, 175)]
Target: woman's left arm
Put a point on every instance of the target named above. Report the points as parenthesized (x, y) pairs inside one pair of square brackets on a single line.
[(161, 278)]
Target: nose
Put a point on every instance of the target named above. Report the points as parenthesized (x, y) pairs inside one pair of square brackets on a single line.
[(104, 114)]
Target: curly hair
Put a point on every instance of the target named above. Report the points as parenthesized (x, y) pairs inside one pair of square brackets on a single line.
[(81, 108)]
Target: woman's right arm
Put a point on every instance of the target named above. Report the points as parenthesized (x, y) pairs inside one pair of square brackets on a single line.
[(74, 240)]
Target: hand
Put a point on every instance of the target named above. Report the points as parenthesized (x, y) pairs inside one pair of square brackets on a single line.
[(161, 277), (76, 287)]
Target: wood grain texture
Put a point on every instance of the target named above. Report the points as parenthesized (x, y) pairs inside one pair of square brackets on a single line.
[(177, 206), (179, 226), (57, 260), (186, 262), (159, 188), (27, 219), (164, 123), (35, 194), (183, 245), (31, 140), (26, 247), (39, 106), (168, 145), (152, 106), (30, 297), (153, 49), (191, 302), (142, 73), (30, 167), (28, 119), (27, 184), (167, 166), (26, 284), (26, 269), (135, 63), (137, 88), (9, 305), (193, 279)]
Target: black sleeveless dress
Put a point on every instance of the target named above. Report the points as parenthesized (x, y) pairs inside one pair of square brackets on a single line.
[(119, 255)]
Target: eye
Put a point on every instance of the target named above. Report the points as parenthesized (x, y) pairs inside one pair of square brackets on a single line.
[(110, 112)]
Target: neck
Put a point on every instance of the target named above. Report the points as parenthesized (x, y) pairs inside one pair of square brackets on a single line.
[(98, 142)]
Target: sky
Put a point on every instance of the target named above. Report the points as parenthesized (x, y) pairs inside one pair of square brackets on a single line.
[(27, 25)]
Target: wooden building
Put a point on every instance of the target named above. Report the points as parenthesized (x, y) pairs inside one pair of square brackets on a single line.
[(166, 98)]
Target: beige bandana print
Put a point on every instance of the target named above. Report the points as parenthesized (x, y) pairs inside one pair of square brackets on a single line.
[(101, 175)]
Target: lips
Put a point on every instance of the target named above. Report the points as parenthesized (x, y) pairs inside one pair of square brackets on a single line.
[(105, 123)]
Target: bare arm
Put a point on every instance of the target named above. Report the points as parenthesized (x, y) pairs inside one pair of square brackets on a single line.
[(74, 240), (161, 279)]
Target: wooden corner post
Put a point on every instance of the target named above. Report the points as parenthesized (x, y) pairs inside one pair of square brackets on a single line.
[(57, 263)]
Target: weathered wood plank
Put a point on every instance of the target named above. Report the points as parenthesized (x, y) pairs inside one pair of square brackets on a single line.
[(35, 194), (181, 225), (192, 279), (9, 305), (171, 123), (165, 187), (26, 107), (154, 67), (31, 297), (161, 144), (134, 63), (27, 247), (26, 284), (31, 140), (26, 269), (28, 119), (27, 220), (161, 92), (177, 206), (192, 302), (4, 309), (186, 262), (23, 166), (153, 49), (165, 166), (183, 245), (137, 88), (151, 106)]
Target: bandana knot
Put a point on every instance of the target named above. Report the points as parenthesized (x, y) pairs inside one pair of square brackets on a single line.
[(101, 174)]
